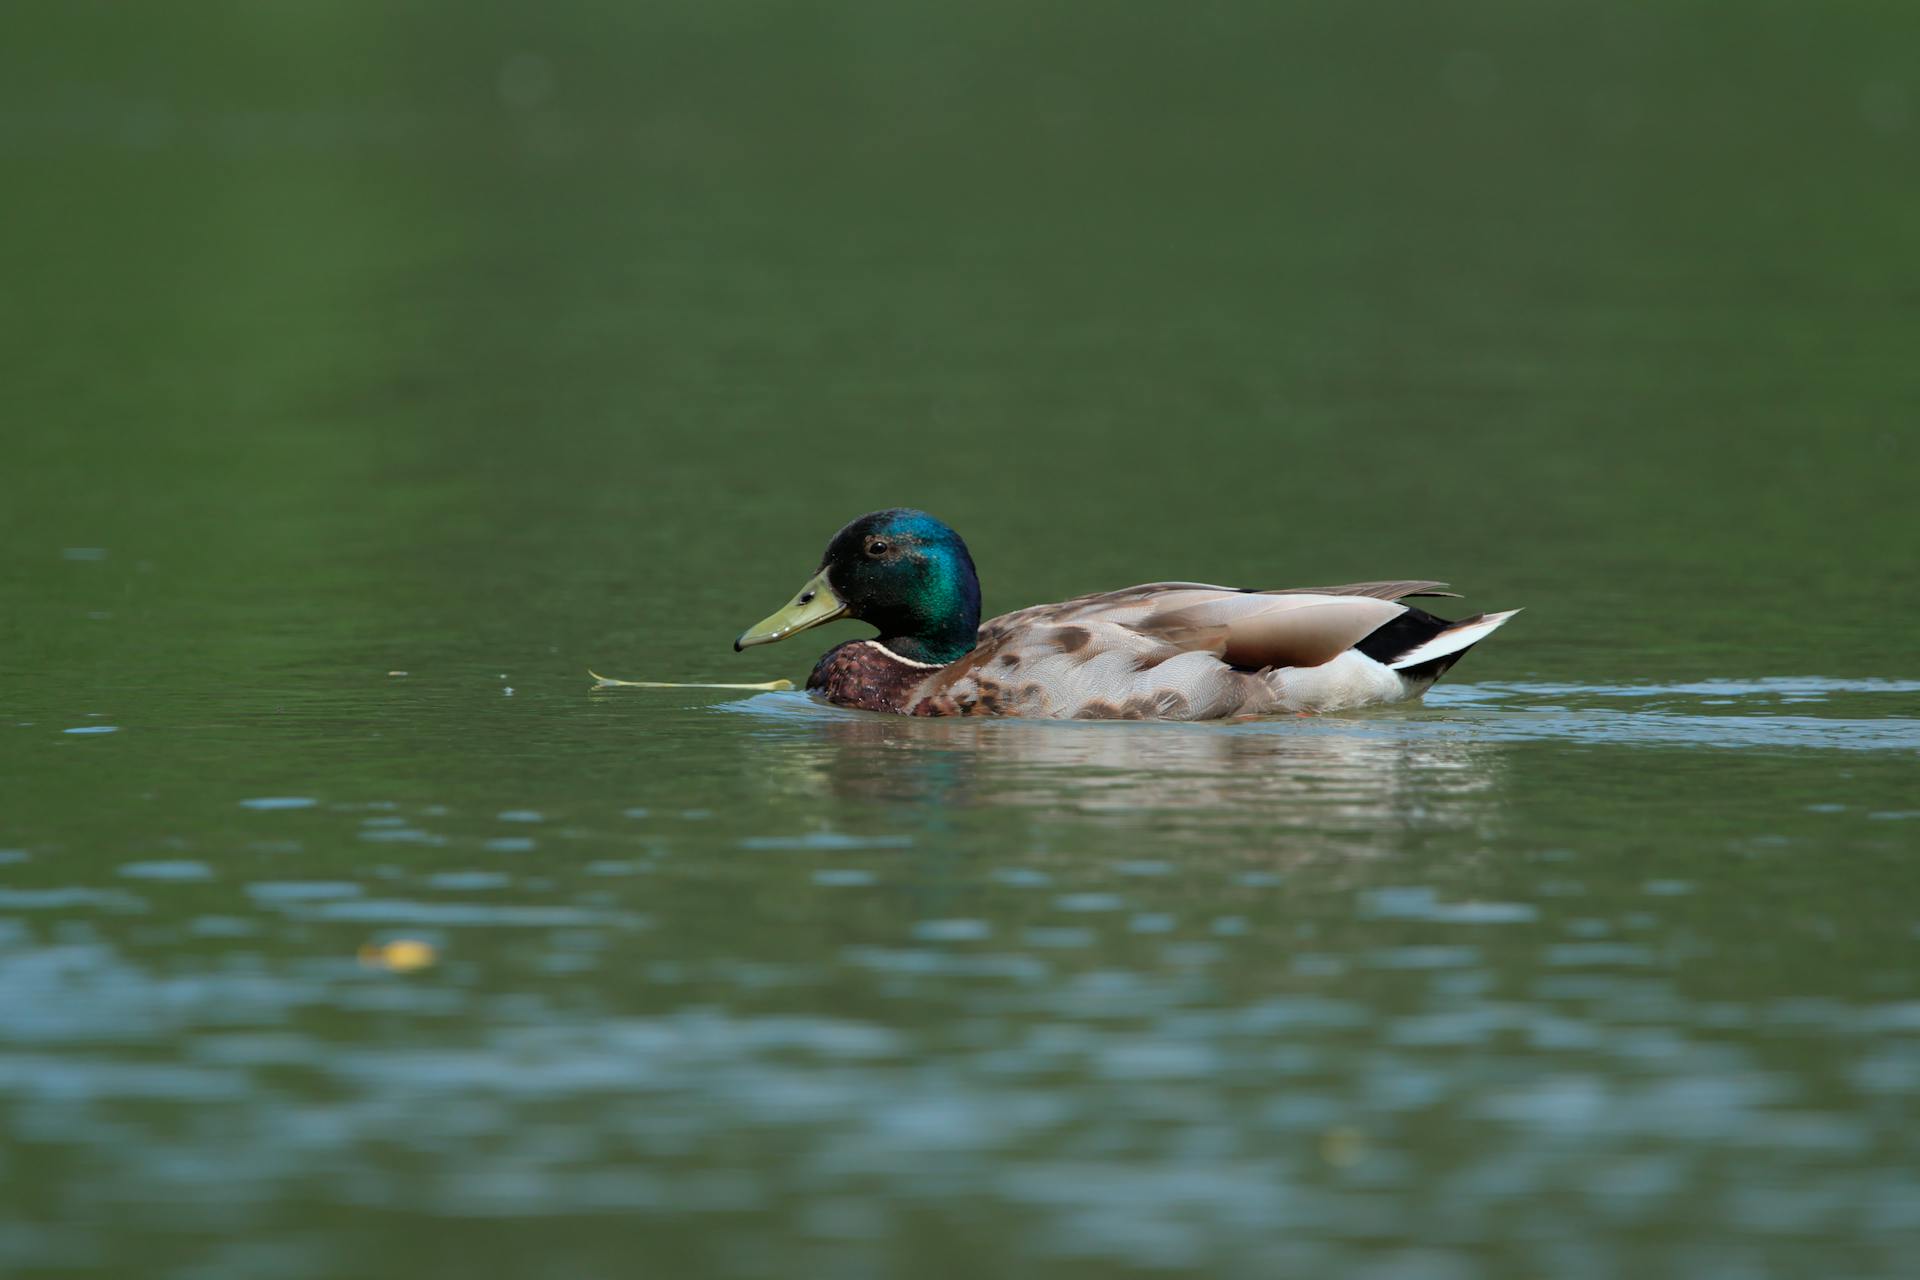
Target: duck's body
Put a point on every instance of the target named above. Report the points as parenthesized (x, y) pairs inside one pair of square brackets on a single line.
[(1165, 651)]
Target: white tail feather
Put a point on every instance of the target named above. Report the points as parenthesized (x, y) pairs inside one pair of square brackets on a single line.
[(1452, 640)]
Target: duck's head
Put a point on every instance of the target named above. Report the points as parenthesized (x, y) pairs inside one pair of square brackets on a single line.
[(901, 571)]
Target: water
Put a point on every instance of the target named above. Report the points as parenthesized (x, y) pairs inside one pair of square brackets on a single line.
[(369, 373)]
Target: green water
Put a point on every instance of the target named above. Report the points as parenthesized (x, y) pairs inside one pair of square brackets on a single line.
[(483, 343)]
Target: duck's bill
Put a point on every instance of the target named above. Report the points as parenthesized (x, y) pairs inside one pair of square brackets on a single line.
[(815, 604)]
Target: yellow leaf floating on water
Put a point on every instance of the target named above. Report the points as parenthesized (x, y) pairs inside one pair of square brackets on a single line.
[(1342, 1146), (608, 682), (402, 955)]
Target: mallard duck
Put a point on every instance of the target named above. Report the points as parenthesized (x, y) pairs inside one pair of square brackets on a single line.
[(1163, 651)]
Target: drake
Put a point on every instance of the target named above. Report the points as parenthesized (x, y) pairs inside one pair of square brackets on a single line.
[(1164, 651)]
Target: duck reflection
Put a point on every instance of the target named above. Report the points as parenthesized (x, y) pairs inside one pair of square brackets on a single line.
[(1359, 774)]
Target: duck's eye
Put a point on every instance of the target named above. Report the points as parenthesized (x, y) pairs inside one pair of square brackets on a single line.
[(877, 547)]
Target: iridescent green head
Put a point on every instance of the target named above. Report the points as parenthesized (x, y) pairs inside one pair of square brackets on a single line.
[(901, 571)]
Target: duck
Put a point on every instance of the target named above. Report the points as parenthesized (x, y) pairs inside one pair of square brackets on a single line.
[(1160, 651)]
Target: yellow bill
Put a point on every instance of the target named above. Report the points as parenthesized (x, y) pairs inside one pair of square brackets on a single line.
[(815, 604)]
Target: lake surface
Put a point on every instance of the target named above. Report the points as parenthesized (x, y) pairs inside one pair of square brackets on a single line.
[(372, 371)]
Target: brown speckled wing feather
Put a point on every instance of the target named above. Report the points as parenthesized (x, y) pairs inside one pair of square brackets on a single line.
[(1399, 590), (1162, 593), (1085, 606)]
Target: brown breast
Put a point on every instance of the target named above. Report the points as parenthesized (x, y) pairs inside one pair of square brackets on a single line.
[(861, 674)]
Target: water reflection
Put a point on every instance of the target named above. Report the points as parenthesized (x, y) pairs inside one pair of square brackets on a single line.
[(1325, 776)]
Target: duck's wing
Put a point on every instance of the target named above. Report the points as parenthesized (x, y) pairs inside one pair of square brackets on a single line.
[(1259, 630), (1403, 589), (1245, 628)]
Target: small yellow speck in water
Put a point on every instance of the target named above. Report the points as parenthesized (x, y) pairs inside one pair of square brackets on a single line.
[(1343, 1146), (401, 955)]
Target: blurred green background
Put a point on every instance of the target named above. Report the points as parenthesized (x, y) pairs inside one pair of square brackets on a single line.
[(1609, 305), (487, 342)]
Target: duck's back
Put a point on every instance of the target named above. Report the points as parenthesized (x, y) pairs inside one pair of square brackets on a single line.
[(1191, 651)]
